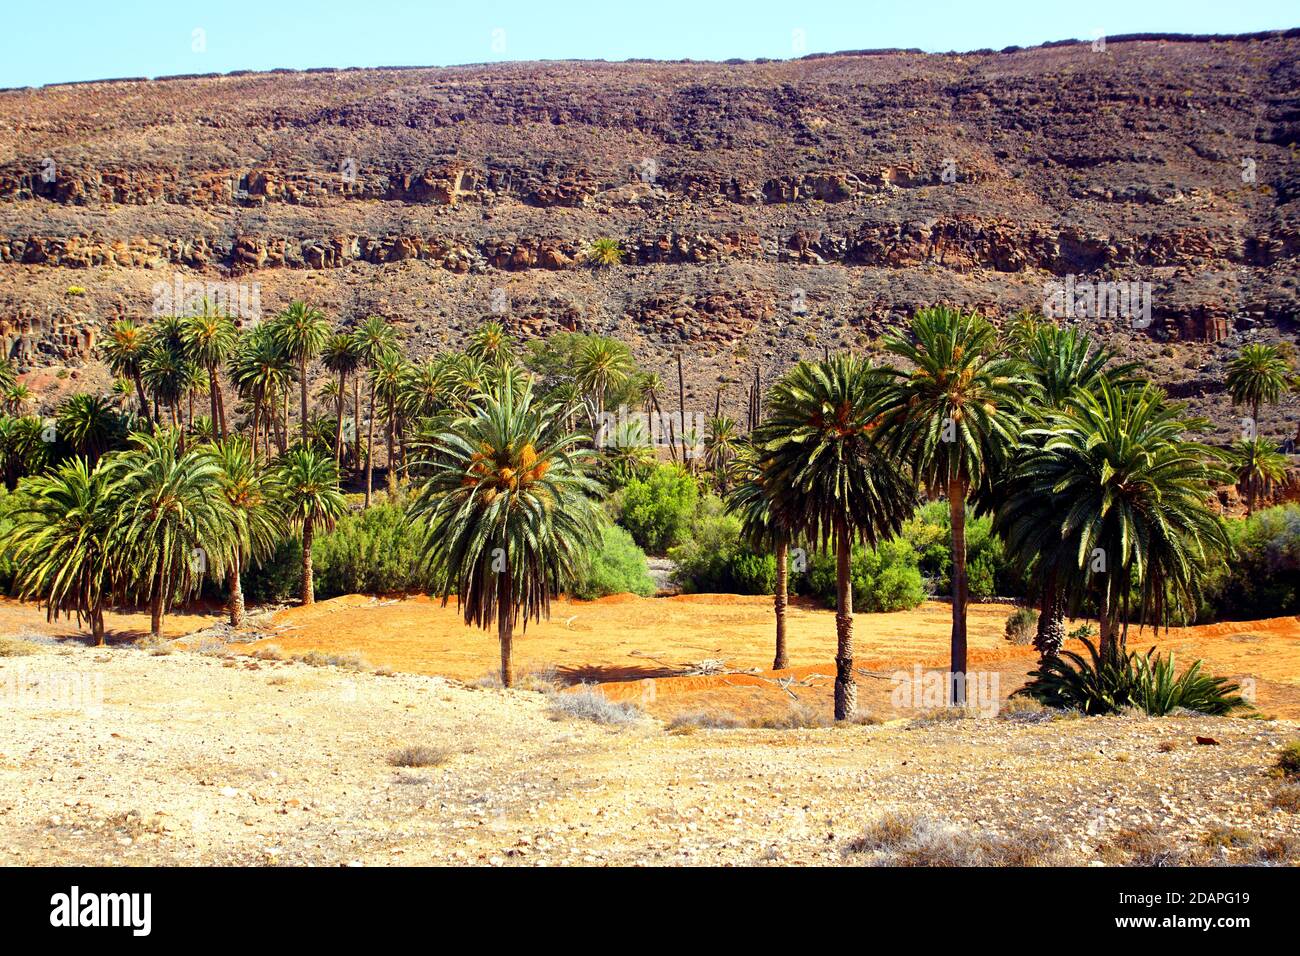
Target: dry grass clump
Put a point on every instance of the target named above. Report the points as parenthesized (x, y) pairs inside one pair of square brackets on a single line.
[(420, 755), (800, 716), (588, 703), (1279, 851), (17, 647), (270, 652), (941, 715), (898, 839), (351, 662), (544, 680), (1221, 835), (1143, 845), (690, 721), (1288, 761)]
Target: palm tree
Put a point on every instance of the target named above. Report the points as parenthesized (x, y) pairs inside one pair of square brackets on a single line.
[(1258, 467), (1115, 497), (8, 374), (829, 480), (628, 452), (340, 356), (125, 350), (307, 487), (490, 344), (210, 337), (261, 370), (253, 513), (1060, 363), (508, 510), (23, 448), (721, 439), (953, 418), (601, 365), (168, 376), (173, 525), (302, 332), (748, 501), (388, 376), (374, 338), (60, 542), (16, 398), (1258, 375), (89, 424)]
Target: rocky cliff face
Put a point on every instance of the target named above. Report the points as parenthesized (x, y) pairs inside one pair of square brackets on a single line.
[(767, 210)]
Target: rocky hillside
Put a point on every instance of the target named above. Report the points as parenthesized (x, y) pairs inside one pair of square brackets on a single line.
[(767, 209)]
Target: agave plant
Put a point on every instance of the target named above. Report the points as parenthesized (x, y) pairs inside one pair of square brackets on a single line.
[(605, 252)]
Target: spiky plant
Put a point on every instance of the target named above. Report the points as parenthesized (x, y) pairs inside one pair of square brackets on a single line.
[(89, 425), (830, 480), (307, 491), (507, 504), (605, 252)]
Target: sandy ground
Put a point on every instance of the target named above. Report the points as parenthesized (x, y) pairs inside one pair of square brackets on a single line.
[(131, 756)]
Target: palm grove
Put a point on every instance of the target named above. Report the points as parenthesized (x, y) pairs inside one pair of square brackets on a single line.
[(1094, 481)]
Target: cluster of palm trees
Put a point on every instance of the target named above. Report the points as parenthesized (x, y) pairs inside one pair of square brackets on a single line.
[(1090, 475)]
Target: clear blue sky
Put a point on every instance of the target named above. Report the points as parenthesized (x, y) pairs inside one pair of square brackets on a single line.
[(47, 42)]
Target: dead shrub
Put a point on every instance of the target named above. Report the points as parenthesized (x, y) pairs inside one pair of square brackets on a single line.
[(1286, 797), (917, 840), (1142, 845), (588, 703), (420, 755)]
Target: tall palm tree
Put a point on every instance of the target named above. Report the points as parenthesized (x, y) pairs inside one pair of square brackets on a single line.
[(388, 376), (307, 487), (209, 337), (88, 424), (125, 350), (829, 480), (253, 513), (262, 371), (1060, 363), (721, 439), (302, 332), (953, 418), (601, 364), (340, 356), (1258, 467), (374, 338), (173, 524), (1116, 498), (168, 376), (60, 542), (1258, 375), (16, 398), (23, 448), (507, 503), (748, 501)]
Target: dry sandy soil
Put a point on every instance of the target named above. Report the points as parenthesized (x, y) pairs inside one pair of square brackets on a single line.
[(215, 755)]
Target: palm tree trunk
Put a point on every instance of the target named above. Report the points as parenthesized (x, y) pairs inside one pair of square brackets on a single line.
[(957, 510), (392, 470), (139, 391), (257, 408), (156, 607), (780, 662), (1051, 620), (97, 625), (236, 589), (338, 429), (356, 420), (218, 426), (846, 689), (302, 378), (308, 592), (370, 445), (1106, 637), (506, 627)]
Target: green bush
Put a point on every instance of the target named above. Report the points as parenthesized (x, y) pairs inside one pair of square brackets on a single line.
[(1145, 682), (1288, 761), (659, 508), (714, 560), (277, 578), (1263, 580), (989, 574), (7, 501), (1022, 625), (617, 568), (375, 551), (885, 578)]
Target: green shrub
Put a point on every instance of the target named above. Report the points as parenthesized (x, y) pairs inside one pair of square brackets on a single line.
[(989, 573), (659, 508), (278, 577), (374, 551), (1022, 625), (1288, 761), (714, 560), (1263, 580), (1145, 682), (618, 567), (886, 578)]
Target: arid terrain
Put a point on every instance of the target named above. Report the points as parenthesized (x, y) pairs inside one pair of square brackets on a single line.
[(211, 750), (767, 209)]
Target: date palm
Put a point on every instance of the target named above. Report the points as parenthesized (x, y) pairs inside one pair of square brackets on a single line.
[(125, 351), (490, 344), (24, 449), (341, 356), (374, 338), (1116, 498), (602, 364), (209, 337), (302, 332), (953, 418), (829, 479), (307, 489), (8, 374), (1258, 375), (262, 371), (748, 501), (88, 424), (388, 376), (173, 525), (17, 397), (254, 516), (507, 504), (1258, 467), (721, 439), (168, 376), (60, 542)]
